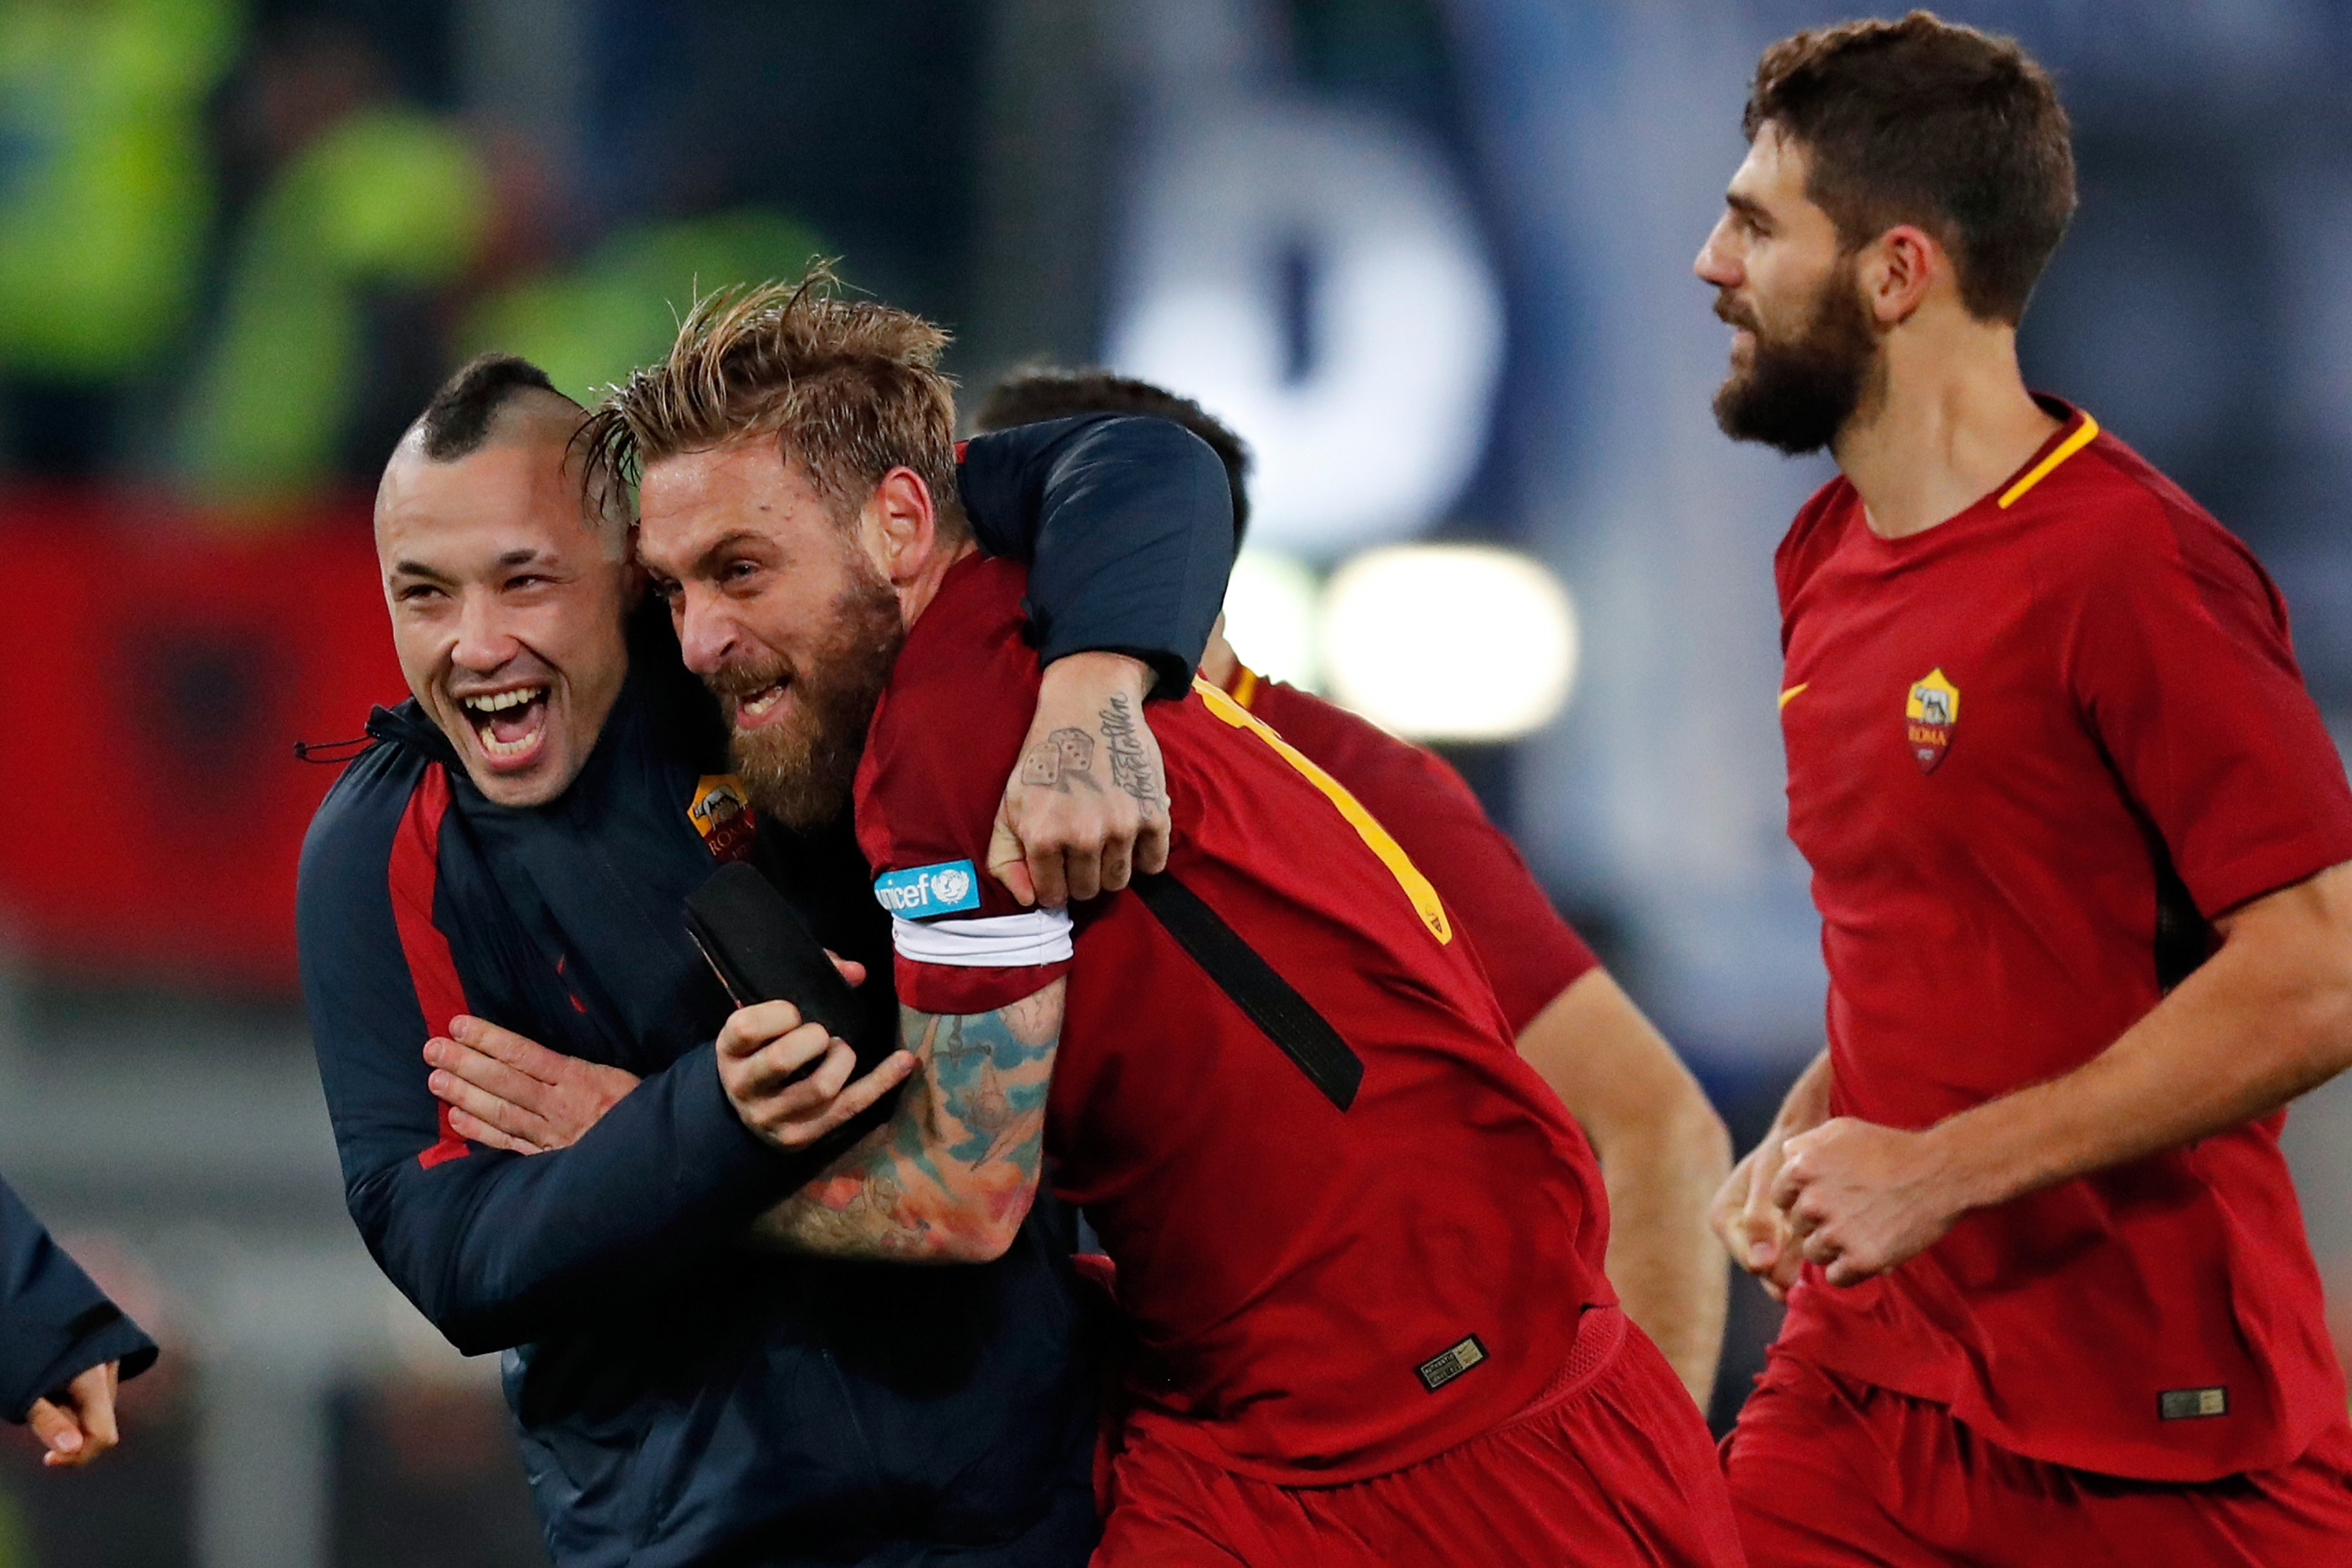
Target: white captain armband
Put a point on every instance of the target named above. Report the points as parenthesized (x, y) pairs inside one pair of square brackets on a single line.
[(996, 942)]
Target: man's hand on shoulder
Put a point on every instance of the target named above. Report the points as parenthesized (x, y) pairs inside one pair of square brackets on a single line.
[(507, 1092), (1087, 806)]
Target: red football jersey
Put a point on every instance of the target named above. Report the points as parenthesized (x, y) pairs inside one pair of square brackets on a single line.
[(1532, 954), (1321, 1295), (2031, 751)]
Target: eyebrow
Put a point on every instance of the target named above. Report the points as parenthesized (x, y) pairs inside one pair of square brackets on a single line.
[(703, 565), (522, 555)]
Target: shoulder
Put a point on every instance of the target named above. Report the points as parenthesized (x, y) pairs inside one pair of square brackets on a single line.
[(2117, 523), (952, 720), (969, 644), (1361, 754), (351, 834), (1819, 525)]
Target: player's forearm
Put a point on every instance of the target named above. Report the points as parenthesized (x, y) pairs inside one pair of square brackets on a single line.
[(1807, 1104), (2267, 1018), (951, 1176), (1665, 1261)]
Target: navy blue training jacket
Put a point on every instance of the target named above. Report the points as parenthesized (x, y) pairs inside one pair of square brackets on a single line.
[(682, 1398), (55, 1324)]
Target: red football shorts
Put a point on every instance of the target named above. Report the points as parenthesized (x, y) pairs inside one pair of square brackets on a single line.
[(1830, 1473), (1609, 1468)]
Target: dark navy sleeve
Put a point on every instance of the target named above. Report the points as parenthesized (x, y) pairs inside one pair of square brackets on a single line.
[(1128, 525), (55, 1324), (495, 1249)]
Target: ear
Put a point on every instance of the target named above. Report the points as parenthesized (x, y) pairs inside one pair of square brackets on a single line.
[(900, 526), (1897, 272)]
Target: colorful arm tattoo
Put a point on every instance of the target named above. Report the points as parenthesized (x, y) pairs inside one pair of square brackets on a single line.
[(949, 1178)]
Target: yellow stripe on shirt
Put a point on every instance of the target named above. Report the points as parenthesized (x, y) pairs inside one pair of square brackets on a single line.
[(2067, 448), (1417, 889)]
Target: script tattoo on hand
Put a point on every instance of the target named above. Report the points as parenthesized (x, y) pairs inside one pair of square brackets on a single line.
[(1131, 765), (1062, 759), (969, 1135)]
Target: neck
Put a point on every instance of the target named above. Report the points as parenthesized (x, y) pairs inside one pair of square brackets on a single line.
[(1950, 421), (915, 594)]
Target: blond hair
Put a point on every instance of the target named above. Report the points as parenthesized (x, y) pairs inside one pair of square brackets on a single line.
[(849, 388)]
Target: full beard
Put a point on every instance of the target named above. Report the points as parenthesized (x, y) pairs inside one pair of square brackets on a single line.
[(1796, 393), (799, 770)]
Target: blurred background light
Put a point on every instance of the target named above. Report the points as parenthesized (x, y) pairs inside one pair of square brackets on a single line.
[(1450, 642), (1271, 605), (1315, 276)]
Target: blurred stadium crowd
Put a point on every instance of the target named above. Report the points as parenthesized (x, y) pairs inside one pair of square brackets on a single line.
[(242, 240)]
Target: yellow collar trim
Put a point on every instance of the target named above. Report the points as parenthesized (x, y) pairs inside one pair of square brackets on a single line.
[(2067, 448)]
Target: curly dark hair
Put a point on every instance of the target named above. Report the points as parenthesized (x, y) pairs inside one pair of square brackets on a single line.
[(1928, 122)]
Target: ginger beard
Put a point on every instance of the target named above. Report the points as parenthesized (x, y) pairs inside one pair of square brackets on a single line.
[(798, 765), (1797, 393)]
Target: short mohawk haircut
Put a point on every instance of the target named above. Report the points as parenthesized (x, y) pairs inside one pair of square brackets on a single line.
[(849, 389), (457, 420)]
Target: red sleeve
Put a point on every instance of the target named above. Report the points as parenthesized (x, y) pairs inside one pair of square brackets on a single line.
[(2178, 656), (943, 741), (1531, 953), (1813, 536)]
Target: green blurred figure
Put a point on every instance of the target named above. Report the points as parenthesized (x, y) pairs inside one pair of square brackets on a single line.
[(388, 198), (105, 196), (591, 324), (363, 200)]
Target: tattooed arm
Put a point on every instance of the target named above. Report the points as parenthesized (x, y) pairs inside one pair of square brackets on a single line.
[(951, 1176), (1088, 804)]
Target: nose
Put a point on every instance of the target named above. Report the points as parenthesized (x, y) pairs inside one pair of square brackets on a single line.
[(484, 643), (705, 632), (1715, 263)]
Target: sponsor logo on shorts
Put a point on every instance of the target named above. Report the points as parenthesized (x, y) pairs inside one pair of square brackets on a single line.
[(1448, 1364), (2192, 1403), (922, 891), (1930, 714)]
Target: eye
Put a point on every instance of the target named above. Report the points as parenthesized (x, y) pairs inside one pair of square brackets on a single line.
[(736, 571), (415, 593)]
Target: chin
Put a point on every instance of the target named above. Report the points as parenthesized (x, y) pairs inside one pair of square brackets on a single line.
[(535, 786)]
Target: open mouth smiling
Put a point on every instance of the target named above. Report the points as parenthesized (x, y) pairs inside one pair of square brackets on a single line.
[(754, 708), (509, 724)]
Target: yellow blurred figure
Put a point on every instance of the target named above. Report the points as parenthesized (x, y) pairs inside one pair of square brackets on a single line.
[(105, 186)]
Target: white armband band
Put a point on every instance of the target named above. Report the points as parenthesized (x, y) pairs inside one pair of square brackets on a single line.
[(997, 942)]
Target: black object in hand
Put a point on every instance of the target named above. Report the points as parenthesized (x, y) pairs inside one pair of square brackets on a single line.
[(763, 952)]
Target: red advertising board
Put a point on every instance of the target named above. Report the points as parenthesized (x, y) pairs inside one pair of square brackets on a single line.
[(155, 671)]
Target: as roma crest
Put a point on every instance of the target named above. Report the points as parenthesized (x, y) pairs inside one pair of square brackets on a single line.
[(723, 817), (1929, 716)]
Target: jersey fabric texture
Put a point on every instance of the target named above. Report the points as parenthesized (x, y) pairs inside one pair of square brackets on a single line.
[(1609, 1467), (1819, 1461), (682, 1399), (55, 1324), (1531, 953), (2032, 753), (1296, 1274)]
